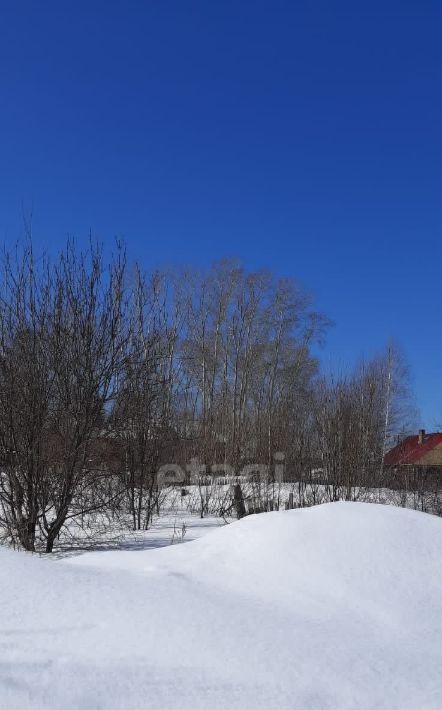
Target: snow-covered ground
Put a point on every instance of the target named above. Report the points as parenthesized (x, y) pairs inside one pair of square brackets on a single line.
[(332, 607), (169, 528), (179, 517)]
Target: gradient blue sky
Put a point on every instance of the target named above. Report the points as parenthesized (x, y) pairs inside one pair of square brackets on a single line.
[(300, 136)]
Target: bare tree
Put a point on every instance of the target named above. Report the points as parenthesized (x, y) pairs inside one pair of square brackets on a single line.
[(62, 334), (26, 389)]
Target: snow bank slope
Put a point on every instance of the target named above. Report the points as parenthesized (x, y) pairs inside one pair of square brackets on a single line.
[(337, 606)]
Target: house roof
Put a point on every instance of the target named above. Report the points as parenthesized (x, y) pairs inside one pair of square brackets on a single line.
[(410, 451)]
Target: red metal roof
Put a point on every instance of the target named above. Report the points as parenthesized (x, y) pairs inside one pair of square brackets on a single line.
[(409, 450)]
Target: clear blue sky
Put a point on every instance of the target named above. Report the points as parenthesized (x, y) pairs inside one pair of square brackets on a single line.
[(300, 136)]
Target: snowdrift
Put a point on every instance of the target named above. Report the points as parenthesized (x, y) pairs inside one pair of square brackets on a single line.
[(337, 606)]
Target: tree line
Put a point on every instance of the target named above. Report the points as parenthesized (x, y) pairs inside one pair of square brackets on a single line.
[(108, 372)]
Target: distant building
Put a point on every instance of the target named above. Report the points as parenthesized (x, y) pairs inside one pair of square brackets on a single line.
[(421, 450), (417, 460)]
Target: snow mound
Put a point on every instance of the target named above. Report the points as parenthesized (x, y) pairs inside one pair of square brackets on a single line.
[(337, 606), (383, 558)]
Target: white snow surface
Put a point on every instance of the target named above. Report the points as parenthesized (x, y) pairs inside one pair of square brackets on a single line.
[(336, 607)]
